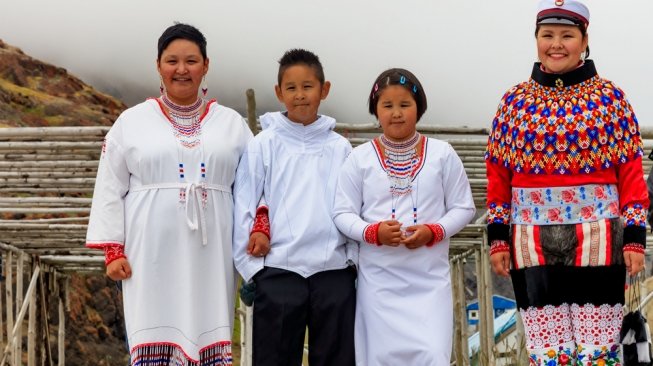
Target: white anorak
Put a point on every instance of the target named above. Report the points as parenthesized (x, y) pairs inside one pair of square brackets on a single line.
[(294, 168)]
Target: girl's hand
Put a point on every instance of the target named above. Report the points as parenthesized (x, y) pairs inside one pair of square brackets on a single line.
[(390, 233), (421, 235), (500, 262), (259, 245), (119, 269), (634, 262)]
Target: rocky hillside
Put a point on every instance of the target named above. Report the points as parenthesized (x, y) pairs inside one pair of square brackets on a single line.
[(34, 93)]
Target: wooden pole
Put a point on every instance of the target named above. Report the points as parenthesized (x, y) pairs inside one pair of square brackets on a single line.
[(18, 352), (251, 111), (63, 294), (9, 279), (31, 331), (12, 335), (2, 340), (44, 317)]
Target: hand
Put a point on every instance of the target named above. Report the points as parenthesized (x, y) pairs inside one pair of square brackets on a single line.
[(259, 245), (421, 235), (390, 233), (634, 262), (119, 269), (500, 263)]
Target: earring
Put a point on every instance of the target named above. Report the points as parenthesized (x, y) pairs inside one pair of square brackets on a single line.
[(205, 88), (161, 87)]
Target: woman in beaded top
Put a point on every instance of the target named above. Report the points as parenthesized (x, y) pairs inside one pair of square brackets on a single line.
[(402, 196), (566, 196), (163, 212)]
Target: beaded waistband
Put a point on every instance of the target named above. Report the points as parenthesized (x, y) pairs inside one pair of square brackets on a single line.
[(564, 205)]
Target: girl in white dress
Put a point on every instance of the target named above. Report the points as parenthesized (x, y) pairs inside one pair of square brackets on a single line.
[(402, 196)]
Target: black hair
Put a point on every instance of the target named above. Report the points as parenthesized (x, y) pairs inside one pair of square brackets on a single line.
[(401, 77), (583, 32), (298, 56), (181, 31)]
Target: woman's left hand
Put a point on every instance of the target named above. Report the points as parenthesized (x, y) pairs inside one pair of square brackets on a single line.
[(421, 236), (634, 262)]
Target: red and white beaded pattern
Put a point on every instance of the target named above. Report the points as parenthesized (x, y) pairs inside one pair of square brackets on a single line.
[(634, 247)]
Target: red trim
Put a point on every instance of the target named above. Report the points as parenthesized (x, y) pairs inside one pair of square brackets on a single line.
[(377, 148), (371, 234), (499, 246), (579, 248), (113, 252), (143, 345), (102, 245), (563, 13), (538, 245), (422, 156), (438, 234), (261, 222), (634, 247), (608, 243)]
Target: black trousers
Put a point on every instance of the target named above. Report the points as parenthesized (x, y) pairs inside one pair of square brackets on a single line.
[(286, 304)]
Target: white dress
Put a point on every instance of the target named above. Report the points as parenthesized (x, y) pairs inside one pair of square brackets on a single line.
[(181, 293), (404, 308)]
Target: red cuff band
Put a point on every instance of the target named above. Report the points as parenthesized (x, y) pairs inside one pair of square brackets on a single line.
[(499, 246), (261, 222), (438, 234), (371, 234), (634, 247), (113, 252)]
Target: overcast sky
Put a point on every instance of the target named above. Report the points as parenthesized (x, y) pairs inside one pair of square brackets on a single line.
[(466, 53)]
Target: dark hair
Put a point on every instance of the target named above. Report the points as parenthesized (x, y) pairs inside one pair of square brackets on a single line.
[(181, 31), (583, 32), (298, 56), (401, 77)]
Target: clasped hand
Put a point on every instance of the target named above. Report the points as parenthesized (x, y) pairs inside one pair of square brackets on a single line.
[(390, 233)]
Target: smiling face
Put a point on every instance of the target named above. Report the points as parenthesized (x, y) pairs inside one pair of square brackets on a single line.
[(559, 47), (301, 92), (182, 68), (396, 110)]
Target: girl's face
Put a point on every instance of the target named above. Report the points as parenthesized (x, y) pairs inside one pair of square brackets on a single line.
[(396, 111), (559, 47), (182, 68)]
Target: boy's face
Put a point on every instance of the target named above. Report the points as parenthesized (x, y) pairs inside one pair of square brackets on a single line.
[(301, 92)]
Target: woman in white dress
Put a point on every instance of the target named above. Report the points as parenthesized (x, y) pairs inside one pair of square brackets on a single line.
[(162, 211), (402, 196)]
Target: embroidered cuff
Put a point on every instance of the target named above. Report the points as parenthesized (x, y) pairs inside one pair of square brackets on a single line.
[(634, 215), (261, 222), (499, 246), (498, 213), (371, 234), (113, 252), (634, 247), (438, 234)]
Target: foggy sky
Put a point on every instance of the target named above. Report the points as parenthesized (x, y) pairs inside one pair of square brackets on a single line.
[(465, 53)]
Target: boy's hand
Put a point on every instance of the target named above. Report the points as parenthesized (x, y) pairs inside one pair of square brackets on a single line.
[(119, 269), (421, 235), (390, 233), (259, 245)]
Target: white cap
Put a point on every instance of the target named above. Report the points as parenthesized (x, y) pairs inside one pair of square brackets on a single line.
[(571, 12)]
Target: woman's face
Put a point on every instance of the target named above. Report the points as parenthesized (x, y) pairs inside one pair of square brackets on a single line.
[(559, 47), (396, 111), (182, 68)]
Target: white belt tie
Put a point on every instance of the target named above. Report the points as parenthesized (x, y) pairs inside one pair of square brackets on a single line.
[(195, 217)]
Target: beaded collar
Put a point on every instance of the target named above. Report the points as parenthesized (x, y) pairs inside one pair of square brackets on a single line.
[(576, 76)]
